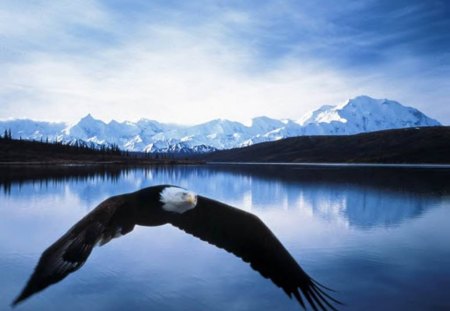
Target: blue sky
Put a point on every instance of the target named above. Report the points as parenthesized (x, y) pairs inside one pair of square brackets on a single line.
[(191, 61)]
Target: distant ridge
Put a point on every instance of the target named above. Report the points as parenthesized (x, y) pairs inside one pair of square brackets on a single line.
[(358, 115), (412, 145)]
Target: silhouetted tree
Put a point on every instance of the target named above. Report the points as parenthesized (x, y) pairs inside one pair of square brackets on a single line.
[(7, 134)]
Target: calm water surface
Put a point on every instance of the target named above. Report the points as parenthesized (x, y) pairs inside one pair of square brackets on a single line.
[(378, 236)]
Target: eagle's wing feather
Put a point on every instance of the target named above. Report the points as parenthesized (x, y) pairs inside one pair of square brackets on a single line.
[(107, 221), (232, 229), (247, 237)]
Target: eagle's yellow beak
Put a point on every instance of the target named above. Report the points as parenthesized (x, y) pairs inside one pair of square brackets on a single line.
[(191, 198)]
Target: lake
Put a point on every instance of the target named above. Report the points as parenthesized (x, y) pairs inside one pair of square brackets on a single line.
[(378, 236)]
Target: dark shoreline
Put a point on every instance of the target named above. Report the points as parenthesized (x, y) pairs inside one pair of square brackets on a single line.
[(339, 164), (427, 145), (100, 163), (14, 152)]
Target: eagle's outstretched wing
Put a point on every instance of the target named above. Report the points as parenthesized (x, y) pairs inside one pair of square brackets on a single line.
[(247, 237), (224, 226), (108, 220)]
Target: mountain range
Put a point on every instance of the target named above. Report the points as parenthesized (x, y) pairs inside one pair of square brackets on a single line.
[(358, 115)]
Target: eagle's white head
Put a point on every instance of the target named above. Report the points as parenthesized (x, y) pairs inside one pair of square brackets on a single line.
[(178, 200)]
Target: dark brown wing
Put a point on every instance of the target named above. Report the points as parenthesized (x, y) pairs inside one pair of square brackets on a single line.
[(247, 237), (108, 220)]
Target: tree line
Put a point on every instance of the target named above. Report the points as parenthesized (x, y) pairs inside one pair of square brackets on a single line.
[(81, 147), (7, 135), (76, 146)]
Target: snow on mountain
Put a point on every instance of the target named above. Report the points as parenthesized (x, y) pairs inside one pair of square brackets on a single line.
[(29, 129), (362, 114), (357, 115)]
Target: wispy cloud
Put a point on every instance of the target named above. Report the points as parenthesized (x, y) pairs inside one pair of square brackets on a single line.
[(189, 62)]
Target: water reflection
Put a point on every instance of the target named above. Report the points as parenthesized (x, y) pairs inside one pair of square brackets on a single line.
[(375, 235), (223, 226), (358, 197)]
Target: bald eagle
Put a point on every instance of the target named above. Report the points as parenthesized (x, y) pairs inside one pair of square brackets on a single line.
[(238, 232)]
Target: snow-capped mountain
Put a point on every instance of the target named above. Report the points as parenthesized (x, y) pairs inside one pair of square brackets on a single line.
[(357, 115), (362, 114), (29, 129)]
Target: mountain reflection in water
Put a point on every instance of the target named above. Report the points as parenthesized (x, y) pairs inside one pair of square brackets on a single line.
[(360, 197), (376, 235)]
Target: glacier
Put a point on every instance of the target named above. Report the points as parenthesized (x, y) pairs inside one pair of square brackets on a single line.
[(357, 115)]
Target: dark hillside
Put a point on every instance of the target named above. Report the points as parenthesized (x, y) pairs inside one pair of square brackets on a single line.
[(24, 151), (412, 145)]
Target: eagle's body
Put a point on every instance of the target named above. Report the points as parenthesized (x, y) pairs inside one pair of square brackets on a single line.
[(224, 226)]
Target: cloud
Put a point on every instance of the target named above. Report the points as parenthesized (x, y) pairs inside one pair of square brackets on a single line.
[(188, 63), (191, 81)]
